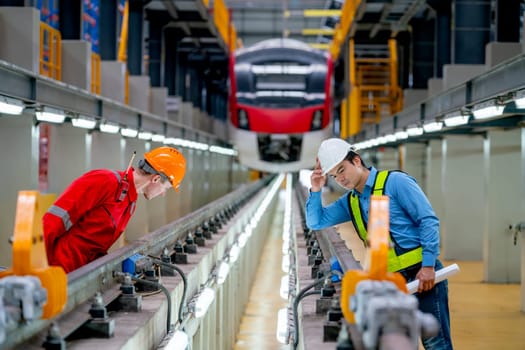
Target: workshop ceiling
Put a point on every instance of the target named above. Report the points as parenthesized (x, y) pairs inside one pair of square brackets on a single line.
[(311, 21), (376, 20)]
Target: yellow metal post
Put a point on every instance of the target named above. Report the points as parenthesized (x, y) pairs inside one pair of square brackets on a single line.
[(377, 257), (354, 98), (395, 91), (29, 252), (344, 119), (123, 42)]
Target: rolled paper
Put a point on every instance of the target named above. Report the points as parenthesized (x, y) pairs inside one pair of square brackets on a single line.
[(441, 274)]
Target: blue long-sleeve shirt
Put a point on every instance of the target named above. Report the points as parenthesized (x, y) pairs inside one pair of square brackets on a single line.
[(413, 222)]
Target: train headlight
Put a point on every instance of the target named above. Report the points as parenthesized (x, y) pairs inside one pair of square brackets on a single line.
[(243, 119), (317, 120)]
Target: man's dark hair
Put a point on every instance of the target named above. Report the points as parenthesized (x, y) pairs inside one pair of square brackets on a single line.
[(351, 155)]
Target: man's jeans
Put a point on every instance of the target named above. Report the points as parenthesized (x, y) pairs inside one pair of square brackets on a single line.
[(435, 302)]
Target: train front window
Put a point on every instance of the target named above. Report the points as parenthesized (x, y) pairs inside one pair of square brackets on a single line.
[(281, 85)]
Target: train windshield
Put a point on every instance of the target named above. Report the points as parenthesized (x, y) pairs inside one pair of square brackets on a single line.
[(275, 83)]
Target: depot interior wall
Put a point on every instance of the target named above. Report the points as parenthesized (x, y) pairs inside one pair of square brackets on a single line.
[(19, 172)]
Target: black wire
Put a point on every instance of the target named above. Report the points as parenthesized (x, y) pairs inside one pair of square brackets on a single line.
[(184, 282), (165, 290), (303, 293)]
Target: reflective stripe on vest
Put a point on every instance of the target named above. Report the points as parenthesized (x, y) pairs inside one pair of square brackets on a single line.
[(62, 214), (122, 190), (395, 262)]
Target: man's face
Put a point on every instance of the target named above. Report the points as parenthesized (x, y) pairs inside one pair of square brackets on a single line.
[(156, 187), (346, 174)]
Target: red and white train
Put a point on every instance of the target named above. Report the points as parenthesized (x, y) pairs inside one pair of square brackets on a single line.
[(280, 104)]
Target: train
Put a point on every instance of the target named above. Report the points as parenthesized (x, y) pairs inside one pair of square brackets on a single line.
[(280, 104)]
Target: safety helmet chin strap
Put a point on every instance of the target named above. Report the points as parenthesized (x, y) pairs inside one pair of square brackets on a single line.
[(143, 164)]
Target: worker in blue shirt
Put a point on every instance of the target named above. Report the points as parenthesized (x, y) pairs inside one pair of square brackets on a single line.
[(414, 227)]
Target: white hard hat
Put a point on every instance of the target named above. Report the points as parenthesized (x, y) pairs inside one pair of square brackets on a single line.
[(332, 152)]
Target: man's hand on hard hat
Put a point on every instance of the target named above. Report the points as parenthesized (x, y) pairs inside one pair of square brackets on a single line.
[(317, 179), (426, 277)]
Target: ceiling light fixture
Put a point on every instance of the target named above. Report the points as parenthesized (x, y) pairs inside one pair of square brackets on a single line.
[(157, 138), (109, 128), (11, 106), (456, 119), (519, 99), (432, 126), (84, 122), (487, 110), (145, 135), (414, 131), (129, 132), (51, 115), (401, 135)]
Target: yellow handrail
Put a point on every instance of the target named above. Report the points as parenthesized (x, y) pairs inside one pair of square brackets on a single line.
[(123, 42), (95, 73), (50, 52)]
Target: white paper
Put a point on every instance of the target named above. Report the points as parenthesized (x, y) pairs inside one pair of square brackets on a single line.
[(441, 275)]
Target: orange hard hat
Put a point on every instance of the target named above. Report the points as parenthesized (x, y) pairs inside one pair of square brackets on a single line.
[(169, 162)]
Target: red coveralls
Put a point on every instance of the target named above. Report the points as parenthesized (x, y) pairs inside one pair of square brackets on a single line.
[(88, 218)]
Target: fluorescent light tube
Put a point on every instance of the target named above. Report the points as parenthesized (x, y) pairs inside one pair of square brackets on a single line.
[(157, 138), (487, 110), (11, 106), (401, 135), (145, 135), (84, 122), (109, 128), (415, 131), (129, 132), (456, 120), (51, 115), (432, 126)]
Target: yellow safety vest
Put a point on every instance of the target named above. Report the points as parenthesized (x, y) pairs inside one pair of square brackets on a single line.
[(395, 262)]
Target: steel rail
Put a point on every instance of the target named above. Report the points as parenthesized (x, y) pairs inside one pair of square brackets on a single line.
[(97, 276), (329, 240)]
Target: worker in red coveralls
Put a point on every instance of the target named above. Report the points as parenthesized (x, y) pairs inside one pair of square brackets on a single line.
[(94, 210)]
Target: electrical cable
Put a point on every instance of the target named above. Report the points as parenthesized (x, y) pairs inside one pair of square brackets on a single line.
[(184, 282), (303, 293), (166, 292)]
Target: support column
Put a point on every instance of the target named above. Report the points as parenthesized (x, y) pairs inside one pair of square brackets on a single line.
[(461, 225), (156, 22), (471, 31), (422, 57), (70, 19), (171, 60), (181, 80), (434, 189), (195, 84), (504, 180), (508, 14), (522, 219), (108, 26), (16, 133), (135, 37), (442, 34)]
